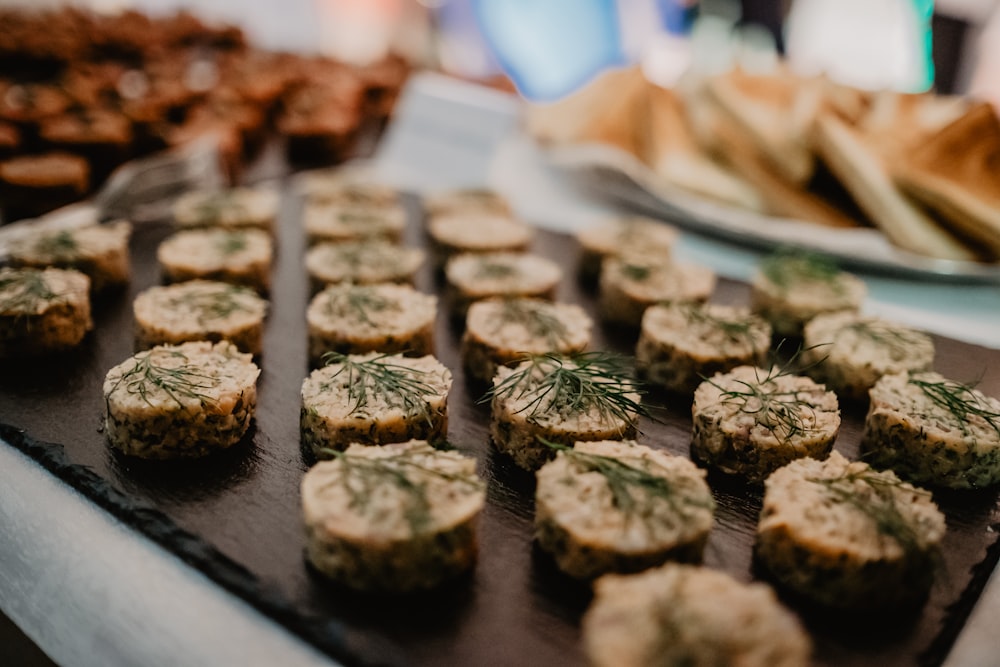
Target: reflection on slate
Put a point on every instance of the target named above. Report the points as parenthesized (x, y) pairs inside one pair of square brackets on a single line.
[(235, 516)]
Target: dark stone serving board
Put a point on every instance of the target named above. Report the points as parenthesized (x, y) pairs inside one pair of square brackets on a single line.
[(236, 517)]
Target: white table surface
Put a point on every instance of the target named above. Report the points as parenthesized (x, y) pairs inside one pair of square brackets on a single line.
[(90, 591)]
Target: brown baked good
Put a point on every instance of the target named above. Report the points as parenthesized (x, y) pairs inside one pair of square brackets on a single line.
[(956, 172), (33, 184), (101, 136)]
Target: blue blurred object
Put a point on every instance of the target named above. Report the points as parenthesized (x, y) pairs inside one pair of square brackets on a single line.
[(551, 47)]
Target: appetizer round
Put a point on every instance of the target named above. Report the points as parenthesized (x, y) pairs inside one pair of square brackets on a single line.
[(200, 310), (932, 430), (788, 290), (561, 399), (849, 352), (232, 208), (751, 421), (180, 401), (346, 187), (372, 399), (630, 284), (353, 319), (364, 262), (397, 518), (618, 236), (100, 251), (680, 344), (500, 332), (42, 310), (693, 616), (351, 222), (466, 201), (615, 506), (242, 257), (474, 276), (847, 536), (467, 233)]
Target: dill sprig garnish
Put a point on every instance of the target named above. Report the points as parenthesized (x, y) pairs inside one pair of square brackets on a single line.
[(575, 384), (897, 340), (398, 385), (636, 272), (184, 381), (788, 267), (493, 270), (23, 291), (215, 304), (734, 329), (359, 301), (880, 506), (783, 412), (231, 243), (633, 480), (362, 477), (60, 244), (535, 317), (214, 204), (961, 400)]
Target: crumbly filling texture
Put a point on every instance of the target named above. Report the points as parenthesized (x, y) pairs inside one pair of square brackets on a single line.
[(499, 273), (369, 385), (945, 409), (766, 406), (532, 326), (369, 310), (199, 305), (391, 492), (707, 330), (626, 235), (479, 232), (841, 507)]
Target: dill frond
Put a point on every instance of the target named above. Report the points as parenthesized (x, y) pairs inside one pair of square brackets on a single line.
[(231, 243), (576, 384), (363, 475), (897, 340), (23, 291), (783, 412), (960, 400), (537, 318), (880, 507), (380, 378), (184, 381), (634, 482), (359, 301), (214, 305), (494, 270), (788, 267), (61, 244)]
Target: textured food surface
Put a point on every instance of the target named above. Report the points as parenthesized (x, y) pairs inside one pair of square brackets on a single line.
[(685, 615), (42, 310), (235, 515), (397, 518), (848, 536), (751, 421), (614, 506), (934, 430)]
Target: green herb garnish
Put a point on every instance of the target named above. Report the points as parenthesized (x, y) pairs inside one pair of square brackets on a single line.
[(573, 385), (880, 506), (358, 301), (632, 480), (184, 381), (231, 243), (786, 268), (897, 340), (636, 272), (61, 244), (23, 291), (217, 304), (494, 270), (381, 378), (785, 413), (537, 318), (362, 476), (735, 329), (961, 400)]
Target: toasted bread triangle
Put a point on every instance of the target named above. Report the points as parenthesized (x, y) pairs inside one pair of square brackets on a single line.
[(957, 173)]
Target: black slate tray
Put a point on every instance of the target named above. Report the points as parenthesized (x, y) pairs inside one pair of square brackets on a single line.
[(235, 516)]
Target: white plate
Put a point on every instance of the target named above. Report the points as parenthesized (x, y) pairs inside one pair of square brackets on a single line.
[(616, 175)]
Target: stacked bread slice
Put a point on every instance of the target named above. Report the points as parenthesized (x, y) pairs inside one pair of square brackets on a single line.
[(922, 168)]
